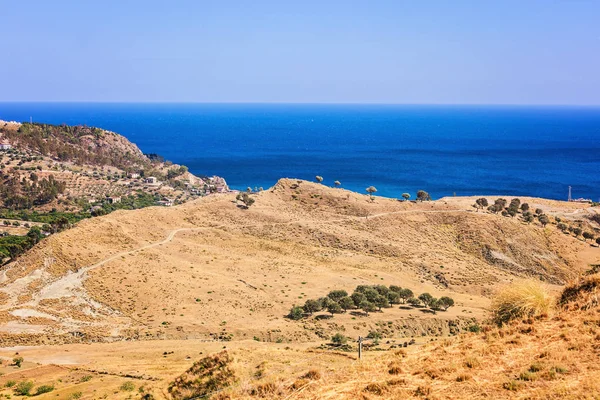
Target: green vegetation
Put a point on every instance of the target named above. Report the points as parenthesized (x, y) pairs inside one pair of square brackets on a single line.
[(246, 200), (127, 386), (78, 144), (368, 299), (18, 194), (339, 339), (17, 361), (24, 388), (43, 389)]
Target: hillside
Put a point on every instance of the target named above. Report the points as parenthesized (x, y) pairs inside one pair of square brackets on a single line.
[(57, 175), (83, 166), (212, 273)]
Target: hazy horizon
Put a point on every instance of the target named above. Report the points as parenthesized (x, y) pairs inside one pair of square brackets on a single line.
[(386, 52)]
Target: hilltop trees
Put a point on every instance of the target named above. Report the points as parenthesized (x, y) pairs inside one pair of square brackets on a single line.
[(337, 183), (406, 196), (319, 179), (480, 203), (371, 190), (588, 235), (423, 196)]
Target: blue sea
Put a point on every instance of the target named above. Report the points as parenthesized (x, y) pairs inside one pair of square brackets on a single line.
[(445, 150)]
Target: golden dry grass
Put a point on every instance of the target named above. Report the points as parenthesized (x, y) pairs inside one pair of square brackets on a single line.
[(526, 299)]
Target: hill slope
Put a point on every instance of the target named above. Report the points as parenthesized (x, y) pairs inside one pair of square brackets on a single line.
[(210, 268)]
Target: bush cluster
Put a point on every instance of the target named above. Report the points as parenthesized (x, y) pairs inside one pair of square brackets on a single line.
[(368, 298)]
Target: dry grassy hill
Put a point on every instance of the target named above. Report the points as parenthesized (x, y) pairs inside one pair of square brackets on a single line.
[(210, 268), (209, 274)]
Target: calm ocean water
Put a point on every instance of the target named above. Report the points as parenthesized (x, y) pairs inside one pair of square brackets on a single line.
[(467, 150)]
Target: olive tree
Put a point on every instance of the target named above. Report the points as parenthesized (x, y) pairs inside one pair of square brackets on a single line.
[(423, 196), (480, 203), (371, 190)]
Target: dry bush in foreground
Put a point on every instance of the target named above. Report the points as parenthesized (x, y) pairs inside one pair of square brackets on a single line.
[(522, 300), (581, 295), (206, 376)]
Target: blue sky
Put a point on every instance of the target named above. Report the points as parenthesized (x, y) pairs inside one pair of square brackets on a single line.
[(456, 52)]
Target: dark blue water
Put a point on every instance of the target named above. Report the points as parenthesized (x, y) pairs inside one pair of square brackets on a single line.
[(467, 150)]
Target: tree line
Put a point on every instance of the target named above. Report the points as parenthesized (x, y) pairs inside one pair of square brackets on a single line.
[(369, 298)]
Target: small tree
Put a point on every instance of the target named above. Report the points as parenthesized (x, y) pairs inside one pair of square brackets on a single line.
[(312, 306), (539, 211), (577, 231), (296, 313), (334, 308), (358, 298), (406, 294), (588, 235), (423, 196), (337, 183), (245, 199), (413, 301), (24, 388), (562, 226), (339, 339), (598, 241), (382, 289), (371, 294), (524, 207), (346, 303), (319, 179), (371, 190), (528, 217), (445, 302), (544, 220), (336, 295), (426, 298), (395, 288), (480, 203), (381, 302), (367, 307), (406, 196), (18, 361), (393, 297)]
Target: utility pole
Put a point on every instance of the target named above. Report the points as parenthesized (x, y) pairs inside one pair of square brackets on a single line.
[(360, 340), (570, 193)]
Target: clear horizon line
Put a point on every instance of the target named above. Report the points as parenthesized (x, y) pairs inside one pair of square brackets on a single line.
[(302, 103)]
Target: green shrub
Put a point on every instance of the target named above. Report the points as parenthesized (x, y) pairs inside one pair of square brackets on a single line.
[(17, 361), (10, 383), (44, 389), (127, 386), (24, 388), (339, 339), (296, 313)]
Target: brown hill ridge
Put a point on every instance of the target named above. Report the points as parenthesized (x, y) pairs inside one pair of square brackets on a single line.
[(209, 268)]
